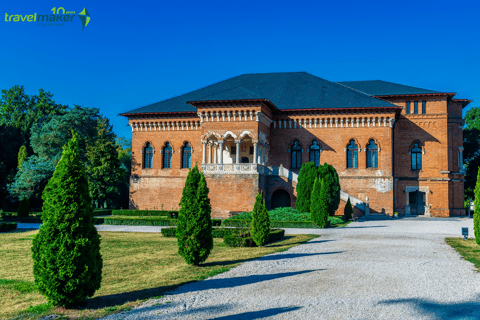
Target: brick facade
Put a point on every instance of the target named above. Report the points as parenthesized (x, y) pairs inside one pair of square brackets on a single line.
[(263, 137)]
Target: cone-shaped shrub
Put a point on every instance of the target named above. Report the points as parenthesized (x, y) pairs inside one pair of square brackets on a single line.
[(23, 208), (260, 221), (319, 204), (306, 179), (67, 264), (348, 210), (194, 226), (476, 213), (332, 188)]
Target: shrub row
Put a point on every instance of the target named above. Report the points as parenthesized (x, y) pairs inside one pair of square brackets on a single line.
[(30, 219), (273, 224), (217, 232), (145, 213), (7, 226), (147, 221), (102, 212), (244, 239)]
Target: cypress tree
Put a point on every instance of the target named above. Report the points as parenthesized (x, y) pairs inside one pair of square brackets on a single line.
[(476, 213), (332, 188), (260, 221), (319, 205), (66, 251), (194, 226), (306, 179), (24, 205), (348, 210)]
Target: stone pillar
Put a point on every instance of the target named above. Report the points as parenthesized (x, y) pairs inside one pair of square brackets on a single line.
[(210, 152), (255, 148), (220, 144), (204, 161), (215, 153), (237, 154)]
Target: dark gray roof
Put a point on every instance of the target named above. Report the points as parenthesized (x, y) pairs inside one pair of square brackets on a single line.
[(287, 90), (384, 88)]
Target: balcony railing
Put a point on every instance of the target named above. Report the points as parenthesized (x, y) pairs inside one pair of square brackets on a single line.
[(234, 168)]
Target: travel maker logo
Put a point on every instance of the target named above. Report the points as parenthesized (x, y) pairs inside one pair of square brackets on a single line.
[(58, 18)]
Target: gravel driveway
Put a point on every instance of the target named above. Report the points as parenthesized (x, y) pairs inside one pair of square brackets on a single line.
[(395, 269)]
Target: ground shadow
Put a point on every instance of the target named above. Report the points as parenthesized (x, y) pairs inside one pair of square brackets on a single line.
[(308, 242), (461, 310), (258, 314), (22, 230), (121, 298)]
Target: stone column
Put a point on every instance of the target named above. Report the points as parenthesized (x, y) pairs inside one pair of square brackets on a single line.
[(209, 152), (220, 144), (255, 148), (204, 161), (237, 155), (215, 153)]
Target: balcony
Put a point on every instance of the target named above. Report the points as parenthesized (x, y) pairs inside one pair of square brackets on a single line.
[(234, 168)]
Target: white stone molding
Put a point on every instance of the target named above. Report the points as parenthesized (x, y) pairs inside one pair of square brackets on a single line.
[(316, 123), (392, 121), (274, 124), (245, 133), (358, 122), (212, 114), (233, 135), (201, 116), (363, 122), (336, 122)]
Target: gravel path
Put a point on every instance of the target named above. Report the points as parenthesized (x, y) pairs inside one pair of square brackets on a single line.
[(395, 269)]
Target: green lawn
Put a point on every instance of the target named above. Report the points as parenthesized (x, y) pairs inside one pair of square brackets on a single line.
[(137, 266), (468, 249)]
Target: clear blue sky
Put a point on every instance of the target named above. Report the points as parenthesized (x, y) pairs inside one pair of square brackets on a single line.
[(132, 54)]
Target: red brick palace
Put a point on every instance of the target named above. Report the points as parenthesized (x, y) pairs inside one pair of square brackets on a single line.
[(396, 148)]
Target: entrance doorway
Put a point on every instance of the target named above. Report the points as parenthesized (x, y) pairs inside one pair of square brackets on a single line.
[(416, 201), (280, 199)]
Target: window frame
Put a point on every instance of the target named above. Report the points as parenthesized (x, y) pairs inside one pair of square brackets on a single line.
[(184, 153), (352, 153), (415, 107), (296, 155), (415, 156), (407, 111), (370, 153), (167, 164), (313, 150), (148, 156), (424, 106)]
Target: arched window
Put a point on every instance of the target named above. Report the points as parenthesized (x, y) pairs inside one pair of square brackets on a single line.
[(372, 155), (315, 153), (296, 155), (148, 156), (416, 156), (167, 156), (352, 155), (186, 156)]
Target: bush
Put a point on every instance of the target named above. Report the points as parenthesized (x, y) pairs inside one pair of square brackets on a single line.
[(241, 238), (330, 186), (348, 210), (288, 214), (23, 208), (67, 265), (194, 227), (140, 221), (319, 207), (306, 179), (216, 232), (7, 226), (260, 221), (102, 212), (145, 213), (476, 213), (216, 222)]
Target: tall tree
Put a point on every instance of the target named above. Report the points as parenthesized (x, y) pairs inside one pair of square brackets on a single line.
[(22, 156), (331, 187), (306, 179), (194, 226), (66, 251), (476, 213), (471, 153), (124, 148), (319, 204), (104, 169)]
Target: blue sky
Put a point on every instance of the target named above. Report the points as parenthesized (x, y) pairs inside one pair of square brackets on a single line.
[(135, 53)]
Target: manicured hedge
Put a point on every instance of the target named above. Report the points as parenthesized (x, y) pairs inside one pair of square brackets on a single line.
[(216, 222), (30, 219), (140, 221), (102, 212), (273, 224), (242, 239), (144, 213), (216, 231), (7, 226)]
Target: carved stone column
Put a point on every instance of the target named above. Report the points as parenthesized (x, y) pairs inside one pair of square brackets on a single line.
[(255, 148), (237, 153), (209, 152), (204, 159), (220, 144)]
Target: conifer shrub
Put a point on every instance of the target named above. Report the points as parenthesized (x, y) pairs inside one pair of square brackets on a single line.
[(66, 251), (348, 210), (332, 188), (476, 213), (260, 221), (306, 179), (194, 225), (23, 208), (319, 203)]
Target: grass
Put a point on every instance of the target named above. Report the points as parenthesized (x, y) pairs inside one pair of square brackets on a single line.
[(468, 249), (137, 266)]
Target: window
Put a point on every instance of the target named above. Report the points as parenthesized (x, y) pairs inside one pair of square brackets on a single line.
[(415, 107), (233, 150), (372, 155), (352, 155), (315, 153), (186, 156), (167, 156), (424, 107), (148, 156), (408, 107), (416, 157), (296, 155)]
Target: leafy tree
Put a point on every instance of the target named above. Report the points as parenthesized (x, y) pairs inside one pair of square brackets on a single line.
[(306, 179), (104, 169), (66, 251), (476, 213), (23, 208), (331, 188), (260, 221), (471, 153), (194, 226), (319, 203), (10, 142), (124, 148), (348, 210)]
